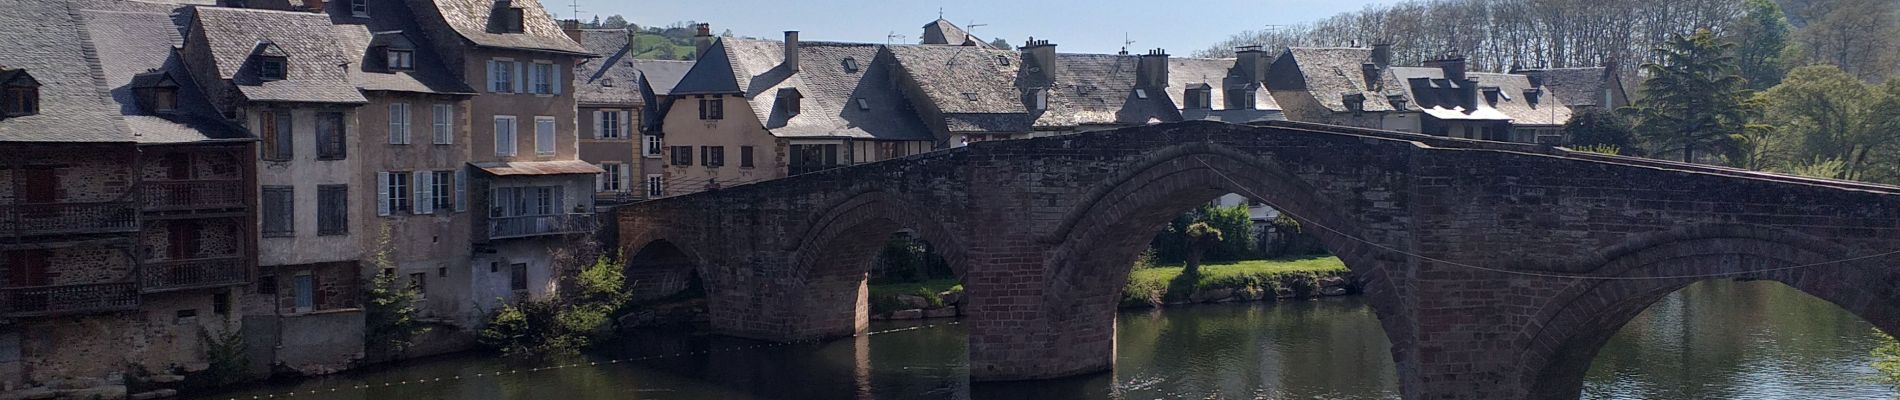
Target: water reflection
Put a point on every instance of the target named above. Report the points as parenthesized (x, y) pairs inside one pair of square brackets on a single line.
[(1712, 340)]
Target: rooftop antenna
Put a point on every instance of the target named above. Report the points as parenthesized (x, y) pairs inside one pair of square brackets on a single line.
[(576, 6), (971, 27), (891, 38), (939, 12), (1125, 43)]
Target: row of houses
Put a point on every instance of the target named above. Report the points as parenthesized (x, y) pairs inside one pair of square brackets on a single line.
[(751, 110)]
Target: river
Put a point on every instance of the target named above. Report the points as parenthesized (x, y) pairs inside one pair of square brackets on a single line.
[(1713, 340)]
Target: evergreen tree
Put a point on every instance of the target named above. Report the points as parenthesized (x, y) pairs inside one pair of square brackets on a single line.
[(1695, 98), (1598, 127), (1762, 36)]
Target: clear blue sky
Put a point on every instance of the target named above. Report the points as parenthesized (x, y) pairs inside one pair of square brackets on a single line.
[(1181, 26)]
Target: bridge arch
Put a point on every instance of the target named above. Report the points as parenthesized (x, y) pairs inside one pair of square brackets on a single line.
[(834, 253), (1093, 247), (669, 249), (1564, 337)]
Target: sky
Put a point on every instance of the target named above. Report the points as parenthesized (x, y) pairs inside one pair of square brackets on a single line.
[(1179, 26)]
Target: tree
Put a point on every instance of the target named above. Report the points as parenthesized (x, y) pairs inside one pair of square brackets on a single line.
[(1598, 127), (390, 315), (1862, 37), (615, 22), (1000, 43), (1201, 236), (1695, 98), (1762, 36), (1826, 115)]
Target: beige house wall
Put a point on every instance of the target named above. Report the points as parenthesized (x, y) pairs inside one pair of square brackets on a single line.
[(737, 129), (304, 172), (524, 107)]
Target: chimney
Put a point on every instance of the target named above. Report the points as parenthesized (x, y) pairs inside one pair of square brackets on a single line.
[(791, 50), (1454, 68), (1382, 54), (1152, 70), (702, 40), (1371, 73), (1251, 63), (313, 5), (1040, 55), (572, 27)]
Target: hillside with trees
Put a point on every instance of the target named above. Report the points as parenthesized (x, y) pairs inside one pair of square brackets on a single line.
[(672, 42)]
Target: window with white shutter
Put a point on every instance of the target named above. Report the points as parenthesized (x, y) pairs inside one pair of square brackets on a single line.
[(461, 190), (653, 146), (518, 82), (397, 187), (382, 193), (442, 192), (655, 189), (544, 135), (425, 193), (444, 124), (399, 123), (505, 135)]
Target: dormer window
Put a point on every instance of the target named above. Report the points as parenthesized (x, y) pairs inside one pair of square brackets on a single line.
[(1533, 96), (507, 18), (1040, 99), (155, 92), (1240, 99), (1355, 102), (1141, 93), (1002, 60), (1491, 94), (400, 59), (850, 64), (359, 8), (788, 99), (1199, 97), (1399, 102), (272, 68), (863, 104), (19, 94), (969, 96)]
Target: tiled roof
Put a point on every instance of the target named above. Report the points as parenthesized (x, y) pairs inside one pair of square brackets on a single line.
[(470, 18), (521, 168), (1216, 74), (831, 92), (974, 87), (1331, 73), (43, 38), (1096, 89), (317, 54), (1575, 86), (611, 79), (1511, 103), (136, 49)]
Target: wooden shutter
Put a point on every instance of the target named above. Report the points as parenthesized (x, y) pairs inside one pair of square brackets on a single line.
[(184, 240), (461, 190), (382, 193), (395, 124), (600, 124), (624, 124), (425, 190), (518, 81), (27, 268), (492, 75), (556, 77)]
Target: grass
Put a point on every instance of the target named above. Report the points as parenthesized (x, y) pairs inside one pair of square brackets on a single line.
[(1163, 284), (884, 296)]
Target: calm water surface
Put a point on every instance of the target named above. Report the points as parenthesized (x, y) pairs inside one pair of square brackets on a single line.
[(1717, 340)]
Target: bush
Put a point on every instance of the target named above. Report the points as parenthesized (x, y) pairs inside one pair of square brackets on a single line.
[(1235, 223), (562, 325), (390, 312), (224, 351)]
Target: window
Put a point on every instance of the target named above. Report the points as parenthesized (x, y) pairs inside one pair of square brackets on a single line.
[(359, 8), (1198, 98), (788, 101), (28, 268), (38, 185), (330, 134), (863, 104), (607, 124), (545, 78), (333, 210), (518, 276), (543, 135), (850, 64), (221, 303), (266, 284), (278, 213), (502, 76), (22, 101), (400, 60), (807, 158), (419, 282), (712, 156), (509, 20), (525, 201), (305, 287), (444, 124), (745, 156), (1002, 60), (393, 192), (1141, 93), (610, 178), (653, 146), (505, 135), (271, 68), (399, 123), (442, 191), (969, 96), (275, 128), (1240, 99), (682, 156), (712, 109), (1042, 99), (164, 100), (656, 187)]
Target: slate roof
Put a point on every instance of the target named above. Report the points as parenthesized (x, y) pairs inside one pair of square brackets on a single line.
[(661, 75), (1096, 89), (1217, 74), (830, 92), (136, 49), (318, 53), (943, 32), (43, 38), (1332, 72), (1512, 103), (611, 79), (394, 25), (1575, 86), (975, 88), (470, 19)]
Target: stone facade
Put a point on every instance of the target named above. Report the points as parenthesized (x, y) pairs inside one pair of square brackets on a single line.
[(1485, 262)]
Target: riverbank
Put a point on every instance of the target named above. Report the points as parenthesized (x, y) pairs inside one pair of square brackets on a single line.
[(1253, 280)]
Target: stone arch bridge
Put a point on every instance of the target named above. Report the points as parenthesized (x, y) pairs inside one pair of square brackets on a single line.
[(1497, 270)]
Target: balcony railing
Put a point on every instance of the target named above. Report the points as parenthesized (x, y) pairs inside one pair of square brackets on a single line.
[(171, 275), (68, 299), (67, 218), (515, 227), (190, 195)]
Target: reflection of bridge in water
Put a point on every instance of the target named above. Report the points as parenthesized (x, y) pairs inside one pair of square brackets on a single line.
[(1497, 270)]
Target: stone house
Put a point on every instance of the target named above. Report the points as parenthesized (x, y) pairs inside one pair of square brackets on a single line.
[(529, 188), (1581, 88), (963, 94), (1339, 86), (758, 110), (123, 223), (1210, 89), (1478, 105), (617, 96), (278, 73)]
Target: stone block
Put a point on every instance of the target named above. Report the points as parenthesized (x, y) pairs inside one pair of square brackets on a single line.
[(908, 314), (945, 312)]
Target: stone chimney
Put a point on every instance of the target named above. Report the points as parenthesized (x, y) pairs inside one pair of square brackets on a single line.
[(1251, 63), (702, 40), (1040, 56), (572, 27), (791, 50), (1382, 54), (1453, 66), (1152, 70)]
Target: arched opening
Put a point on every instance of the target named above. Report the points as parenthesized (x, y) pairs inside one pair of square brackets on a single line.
[(665, 285), (910, 280), (843, 249), (1753, 312)]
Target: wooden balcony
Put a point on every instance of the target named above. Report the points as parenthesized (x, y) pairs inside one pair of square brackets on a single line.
[(193, 195), (17, 220), (68, 299), (175, 275), (540, 225)]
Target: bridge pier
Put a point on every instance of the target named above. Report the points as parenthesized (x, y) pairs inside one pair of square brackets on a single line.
[(1016, 333)]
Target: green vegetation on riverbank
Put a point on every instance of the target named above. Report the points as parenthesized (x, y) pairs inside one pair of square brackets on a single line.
[(884, 296), (1165, 284)]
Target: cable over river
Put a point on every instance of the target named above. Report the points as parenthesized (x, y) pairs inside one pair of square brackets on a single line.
[(1722, 339)]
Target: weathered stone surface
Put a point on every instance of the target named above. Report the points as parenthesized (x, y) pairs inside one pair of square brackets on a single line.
[(1332, 290), (1480, 259), (907, 314), (164, 378), (945, 312), (155, 394), (913, 301)]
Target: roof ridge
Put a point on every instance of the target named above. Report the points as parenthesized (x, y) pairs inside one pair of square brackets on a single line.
[(95, 67)]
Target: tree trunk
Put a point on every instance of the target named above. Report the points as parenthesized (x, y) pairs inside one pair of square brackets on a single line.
[(1193, 259)]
